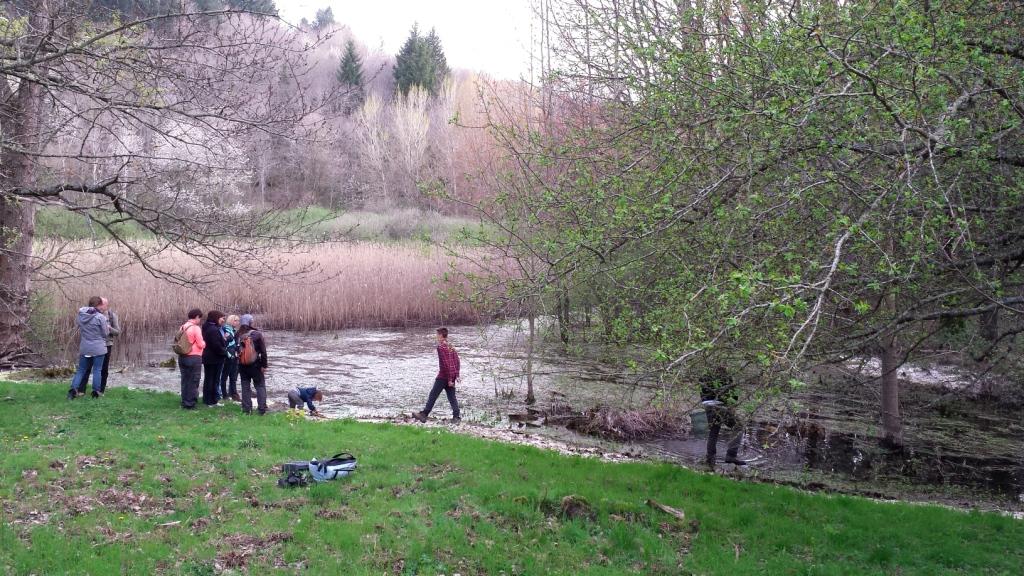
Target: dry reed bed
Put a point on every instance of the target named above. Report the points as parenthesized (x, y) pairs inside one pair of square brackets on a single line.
[(357, 285)]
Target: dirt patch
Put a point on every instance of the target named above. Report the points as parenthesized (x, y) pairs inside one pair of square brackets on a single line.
[(122, 500), (199, 524), (110, 536), (463, 510), (576, 508), (25, 517), (105, 460), (336, 513), (292, 504), (243, 549)]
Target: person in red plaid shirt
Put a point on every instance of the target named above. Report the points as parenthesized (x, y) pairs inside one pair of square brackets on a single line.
[(447, 375)]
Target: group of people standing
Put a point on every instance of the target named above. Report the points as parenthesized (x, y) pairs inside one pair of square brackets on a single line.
[(220, 351)]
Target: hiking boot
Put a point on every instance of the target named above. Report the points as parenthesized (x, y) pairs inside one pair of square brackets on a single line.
[(420, 416), (735, 460), (709, 463), (96, 394), (72, 394), (456, 420)]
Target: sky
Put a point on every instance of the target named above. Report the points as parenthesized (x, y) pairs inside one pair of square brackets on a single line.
[(492, 36)]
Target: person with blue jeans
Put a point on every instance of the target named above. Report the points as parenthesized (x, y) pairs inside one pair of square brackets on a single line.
[(92, 347), (115, 329)]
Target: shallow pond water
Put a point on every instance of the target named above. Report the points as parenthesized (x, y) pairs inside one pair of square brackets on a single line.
[(383, 373)]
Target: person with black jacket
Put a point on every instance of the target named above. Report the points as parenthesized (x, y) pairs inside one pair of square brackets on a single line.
[(252, 365), (214, 355), (719, 396)]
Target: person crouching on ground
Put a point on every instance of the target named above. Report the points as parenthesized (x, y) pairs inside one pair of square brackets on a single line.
[(93, 329), (230, 371), (213, 356), (447, 375), (191, 364), (306, 396), (252, 365)]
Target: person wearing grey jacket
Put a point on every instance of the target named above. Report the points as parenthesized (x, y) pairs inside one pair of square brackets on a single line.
[(93, 328), (115, 329)]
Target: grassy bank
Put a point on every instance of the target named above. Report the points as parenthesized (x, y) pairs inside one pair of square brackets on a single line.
[(131, 484)]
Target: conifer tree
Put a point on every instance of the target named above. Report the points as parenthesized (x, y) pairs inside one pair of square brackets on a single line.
[(350, 76), (421, 62)]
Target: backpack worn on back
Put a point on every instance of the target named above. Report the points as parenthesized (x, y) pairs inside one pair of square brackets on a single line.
[(247, 350), (182, 345)]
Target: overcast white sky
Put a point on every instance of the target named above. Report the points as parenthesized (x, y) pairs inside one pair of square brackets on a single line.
[(488, 35)]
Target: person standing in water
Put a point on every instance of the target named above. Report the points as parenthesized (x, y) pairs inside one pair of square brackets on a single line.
[(719, 397)]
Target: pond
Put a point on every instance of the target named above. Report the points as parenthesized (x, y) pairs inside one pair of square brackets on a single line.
[(825, 436)]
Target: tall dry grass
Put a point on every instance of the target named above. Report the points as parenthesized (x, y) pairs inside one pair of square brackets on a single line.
[(356, 285)]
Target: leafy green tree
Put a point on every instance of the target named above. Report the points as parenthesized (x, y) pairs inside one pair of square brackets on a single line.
[(773, 190)]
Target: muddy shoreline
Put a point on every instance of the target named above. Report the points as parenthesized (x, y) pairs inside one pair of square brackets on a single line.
[(628, 453)]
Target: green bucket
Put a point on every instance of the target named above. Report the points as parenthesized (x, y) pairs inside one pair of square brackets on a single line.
[(698, 423)]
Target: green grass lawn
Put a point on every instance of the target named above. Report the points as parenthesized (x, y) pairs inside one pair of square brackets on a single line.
[(131, 484)]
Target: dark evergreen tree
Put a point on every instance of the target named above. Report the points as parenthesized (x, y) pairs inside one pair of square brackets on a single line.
[(420, 62), (261, 6), (324, 18), (350, 76), (441, 70)]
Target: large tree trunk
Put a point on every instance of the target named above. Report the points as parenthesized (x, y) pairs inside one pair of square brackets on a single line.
[(16, 230), (21, 112), (892, 424)]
